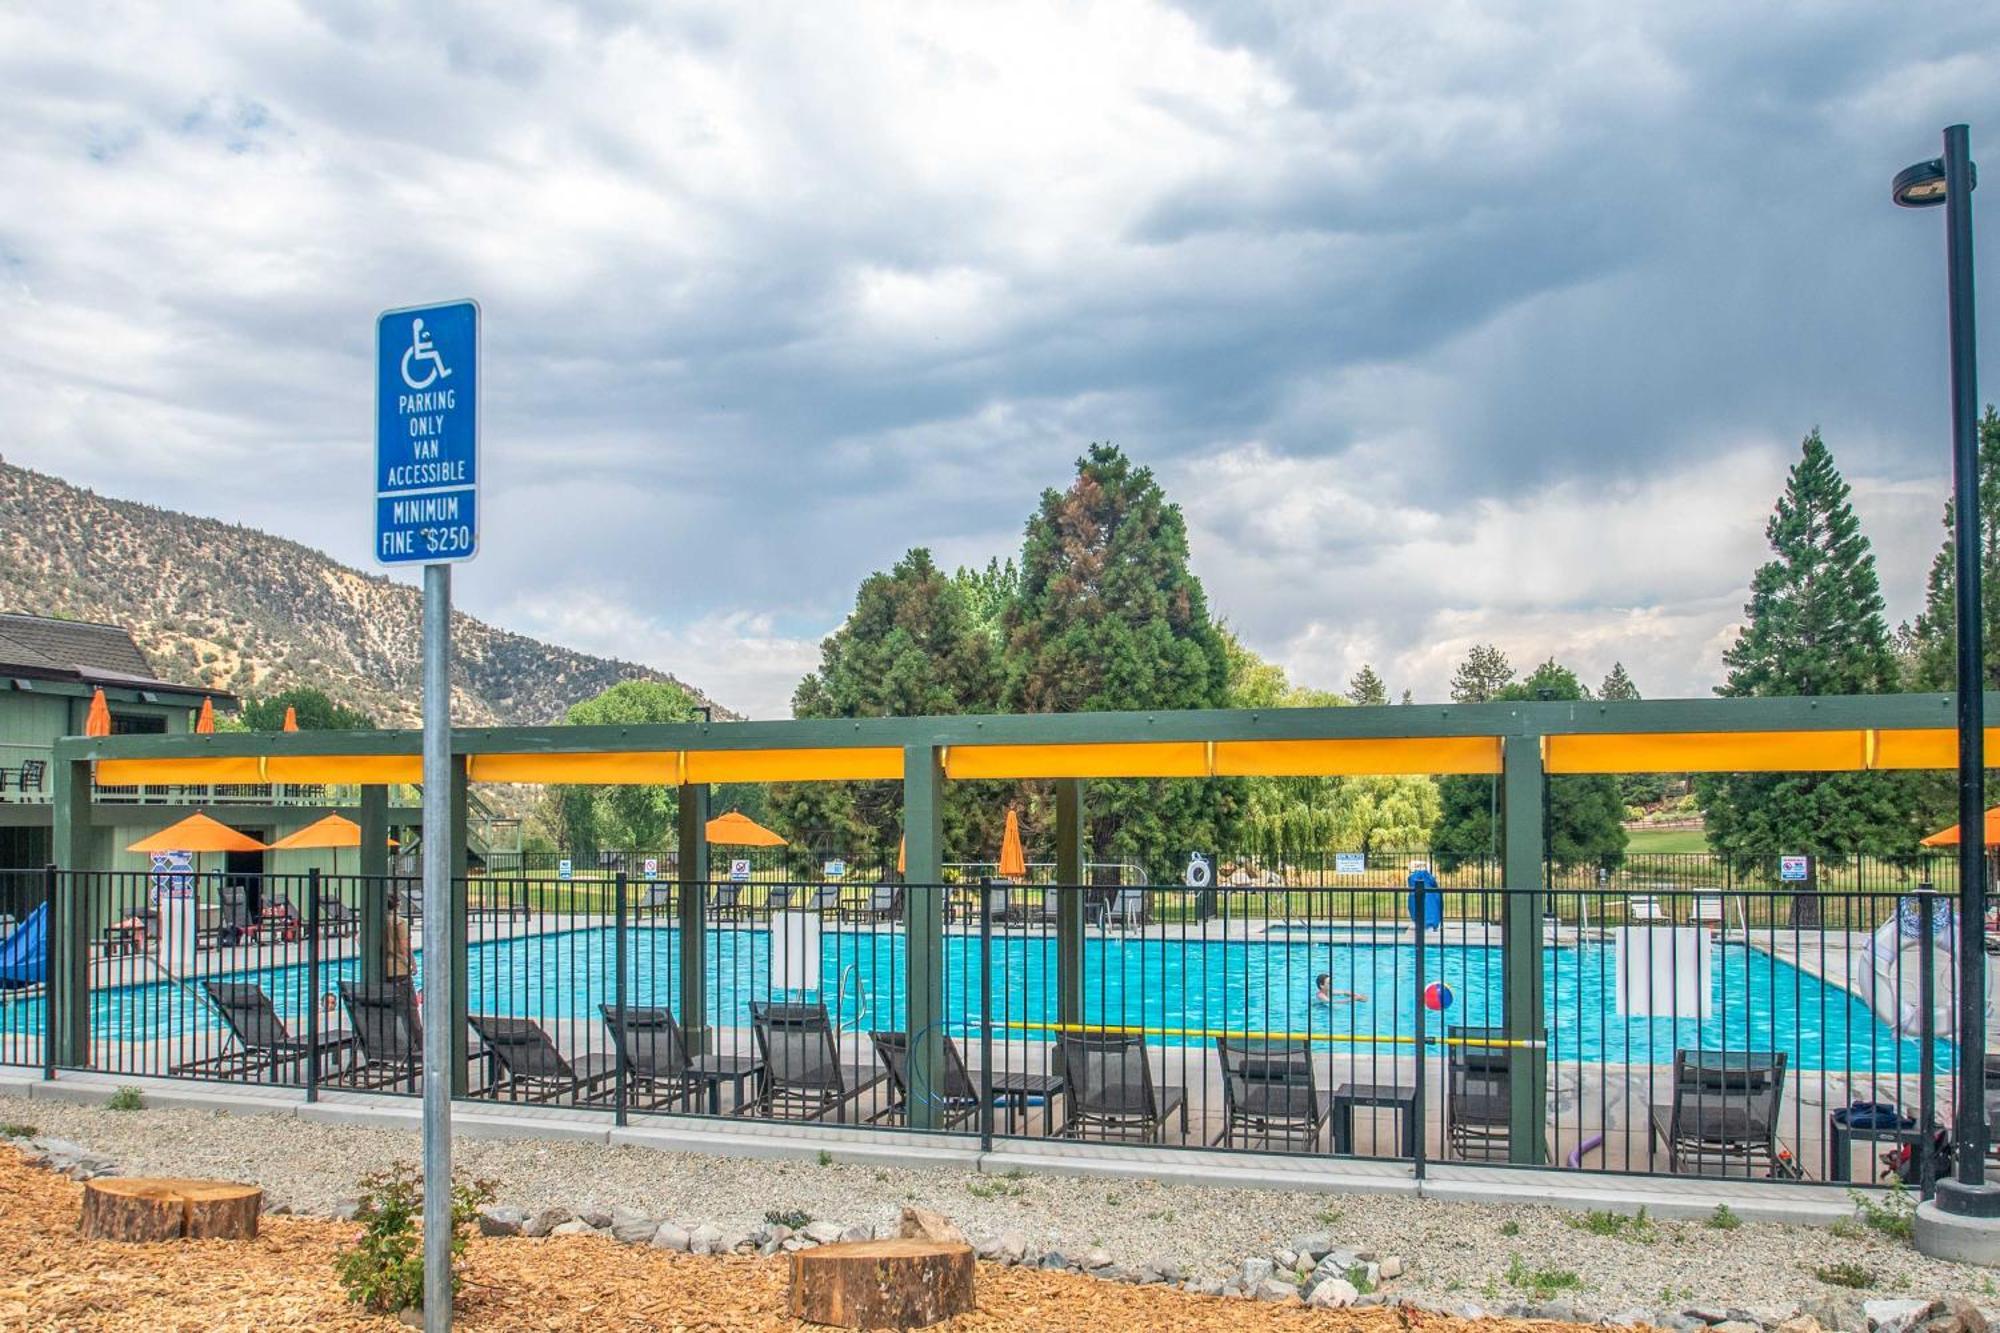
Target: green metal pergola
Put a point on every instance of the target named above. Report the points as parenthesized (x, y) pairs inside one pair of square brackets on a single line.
[(1519, 743)]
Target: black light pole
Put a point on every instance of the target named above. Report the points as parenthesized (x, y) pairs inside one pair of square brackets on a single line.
[(1949, 180)]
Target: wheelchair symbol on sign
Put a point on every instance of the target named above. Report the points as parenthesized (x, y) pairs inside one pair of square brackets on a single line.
[(421, 350)]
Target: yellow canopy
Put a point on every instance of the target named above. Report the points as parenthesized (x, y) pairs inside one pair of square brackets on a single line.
[(197, 833), (737, 829), (1012, 863)]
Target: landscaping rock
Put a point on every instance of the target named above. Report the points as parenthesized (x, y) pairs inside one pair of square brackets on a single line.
[(1312, 1246), (544, 1222), (1799, 1323), (345, 1210), (501, 1221), (1116, 1273), (576, 1226), (821, 1233), (1633, 1318), (1892, 1315), (1168, 1269), (1391, 1267), (1277, 1293), (595, 1217), (1095, 1258), (1055, 1259), (1203, 1286), (1564, 1312), (1953, 1314), (1707, 1314), (1333, 1293), (987, 1248), (916, 1223), (668, 1236), (1286, 1260), (704, 1239), (629, 1226), (857, 1232), (1256, 1272), (1013, 1247)]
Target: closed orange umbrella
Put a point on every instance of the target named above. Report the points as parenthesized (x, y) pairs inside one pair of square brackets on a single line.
[(204, 721), (98, 722), (197, 833), (291, 718), (902, 855), (737, 829), (1949, 837), (1012, 863)]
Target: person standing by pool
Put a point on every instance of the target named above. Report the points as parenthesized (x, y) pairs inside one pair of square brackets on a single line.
[(1324, 992), (397, 961)]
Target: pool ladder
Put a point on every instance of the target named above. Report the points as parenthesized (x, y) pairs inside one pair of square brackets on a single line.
[(861, 999)]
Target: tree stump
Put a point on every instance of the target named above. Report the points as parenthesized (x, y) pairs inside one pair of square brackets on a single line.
[(133, 1209), (882, 1283)]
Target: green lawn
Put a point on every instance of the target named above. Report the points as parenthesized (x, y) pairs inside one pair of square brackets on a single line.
[(1666, 840)]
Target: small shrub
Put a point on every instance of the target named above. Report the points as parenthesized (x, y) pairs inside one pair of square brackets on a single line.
[(1357, 1275), (1510, 1228), (1542, 1282), (1895, 1215), (384, 1271), (825, 1157), (1847, 1228), (1846, 1273), (18, 1131), (1724, 1219), (1602, 1222), (794, 1219), (1326, 1217), (125, 1099)]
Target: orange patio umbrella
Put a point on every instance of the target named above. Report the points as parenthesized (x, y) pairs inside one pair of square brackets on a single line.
[(737, 829), (1013, 864), (330, 834), (98, 721), (291, 718), (197, 833), (1949, 837), (204, 721)]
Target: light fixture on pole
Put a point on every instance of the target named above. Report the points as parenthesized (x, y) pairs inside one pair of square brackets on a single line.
[(1963, 1222)]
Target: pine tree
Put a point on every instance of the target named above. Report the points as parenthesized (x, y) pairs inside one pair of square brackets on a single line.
[(1930, 642), (915, 644), (1634, 789), (1584, 813), (1481, 676), (1109, 616), (1618, 686), (1814, 625), (1365, 687)]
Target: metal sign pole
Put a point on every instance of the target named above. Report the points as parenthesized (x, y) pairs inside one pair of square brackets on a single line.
[(438, 961)]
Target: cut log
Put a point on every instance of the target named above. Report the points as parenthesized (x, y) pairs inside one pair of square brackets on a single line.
[(882, 1283), (136, 1209)]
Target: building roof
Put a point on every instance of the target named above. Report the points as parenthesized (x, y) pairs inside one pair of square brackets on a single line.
[(83, 651)]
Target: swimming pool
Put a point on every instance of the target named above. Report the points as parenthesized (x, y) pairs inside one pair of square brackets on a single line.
[(1197, 985)]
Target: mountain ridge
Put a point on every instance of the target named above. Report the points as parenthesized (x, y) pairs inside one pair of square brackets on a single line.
[(231, 607)]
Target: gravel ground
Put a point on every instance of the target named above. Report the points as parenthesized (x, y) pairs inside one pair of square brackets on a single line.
[(1452, 1251)]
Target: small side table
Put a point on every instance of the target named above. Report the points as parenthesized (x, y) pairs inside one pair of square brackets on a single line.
[(1400, 1099), (1841, 1138)]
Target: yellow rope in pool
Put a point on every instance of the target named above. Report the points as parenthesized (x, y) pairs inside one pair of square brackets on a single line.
[(1234, 1034)]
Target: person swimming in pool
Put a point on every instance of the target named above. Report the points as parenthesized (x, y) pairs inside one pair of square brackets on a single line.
[(1324, 992)]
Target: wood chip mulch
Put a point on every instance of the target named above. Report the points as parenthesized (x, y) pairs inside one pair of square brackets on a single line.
[(51, 1279)]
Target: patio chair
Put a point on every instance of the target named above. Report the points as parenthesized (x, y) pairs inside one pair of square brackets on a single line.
[(262, 1040), (1646, 910), (660, 896), (728, 901), (237, 922), (780, 898), (30, 777), (383, 1017), (1724, 1111), (1270, 1092), (336, 917), (1112, 1094), (1125, 908), (884, 903), (817, 898), (1478, 1093), (528, 1067), (656, 1054), (958, 1099), (804, 1077), (1708, 910)]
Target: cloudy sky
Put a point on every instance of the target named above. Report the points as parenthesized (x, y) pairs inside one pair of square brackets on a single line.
[(1443, 322)]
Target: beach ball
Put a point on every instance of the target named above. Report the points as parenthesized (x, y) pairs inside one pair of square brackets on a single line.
[(1437, 997)]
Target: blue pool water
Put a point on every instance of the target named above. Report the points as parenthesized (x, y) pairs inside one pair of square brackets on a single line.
[(1759, 1002)]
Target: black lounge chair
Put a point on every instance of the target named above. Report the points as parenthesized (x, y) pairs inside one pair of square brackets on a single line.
[(236, 922), (728, 901), (263, 1042), (336, 917), (804, 1077), (656, 1055), (959, 1097), (1724, 1113), (779, 899), (884, 903), (660, 896), (528, 1067), (1112, 1094), (384, 1018), (1270, 1094), (1478, 1115)]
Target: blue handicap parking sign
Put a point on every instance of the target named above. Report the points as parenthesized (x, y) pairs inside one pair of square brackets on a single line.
[(427, 434)]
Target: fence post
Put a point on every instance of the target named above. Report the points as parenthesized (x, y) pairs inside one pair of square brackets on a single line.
[(1417, 1138), (312, 984), (618, 991), (50, 955), (1927, 1057), (986, 1025)]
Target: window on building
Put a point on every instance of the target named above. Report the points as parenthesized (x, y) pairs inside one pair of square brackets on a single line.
[(137, 724)]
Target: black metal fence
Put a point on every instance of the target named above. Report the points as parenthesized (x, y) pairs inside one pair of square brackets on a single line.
[(1664, 1027)]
